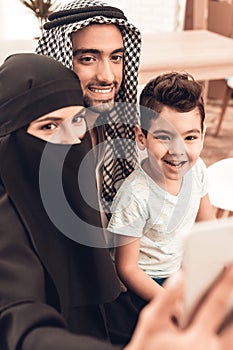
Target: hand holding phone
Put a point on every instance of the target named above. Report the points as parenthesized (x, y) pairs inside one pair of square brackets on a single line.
[(208, 249)]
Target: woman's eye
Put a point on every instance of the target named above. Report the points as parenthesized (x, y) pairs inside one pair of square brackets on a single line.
[(78, 120), (49, 126)]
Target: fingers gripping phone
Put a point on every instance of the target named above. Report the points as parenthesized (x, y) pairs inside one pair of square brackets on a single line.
[(207, 249)]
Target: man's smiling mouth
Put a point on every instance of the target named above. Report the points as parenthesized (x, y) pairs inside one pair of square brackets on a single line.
[(101, 90)]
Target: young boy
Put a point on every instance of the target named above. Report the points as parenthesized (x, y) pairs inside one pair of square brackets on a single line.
[(158, 203)]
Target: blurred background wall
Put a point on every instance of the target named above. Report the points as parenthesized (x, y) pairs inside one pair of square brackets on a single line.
[(18, 22)]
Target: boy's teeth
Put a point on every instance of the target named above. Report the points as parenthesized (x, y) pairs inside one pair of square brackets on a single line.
[(174, 163)]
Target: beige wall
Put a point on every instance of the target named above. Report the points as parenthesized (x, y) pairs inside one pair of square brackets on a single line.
[(18, 22), (153, 16), (18, 25)]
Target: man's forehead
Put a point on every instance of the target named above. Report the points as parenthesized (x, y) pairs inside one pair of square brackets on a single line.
[(97, 35)]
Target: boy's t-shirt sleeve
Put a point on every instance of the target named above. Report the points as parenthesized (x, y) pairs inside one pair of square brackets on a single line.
[(128, 214)]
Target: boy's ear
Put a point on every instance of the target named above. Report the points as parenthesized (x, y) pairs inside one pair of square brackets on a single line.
[(140, 138)]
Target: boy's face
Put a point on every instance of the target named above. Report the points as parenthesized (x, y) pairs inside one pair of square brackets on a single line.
[(174, 142), (98, 52)]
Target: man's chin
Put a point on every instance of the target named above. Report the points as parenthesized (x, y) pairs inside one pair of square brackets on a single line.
[(100, 106)]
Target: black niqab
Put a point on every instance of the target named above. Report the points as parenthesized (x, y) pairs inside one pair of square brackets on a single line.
[(40, 86)]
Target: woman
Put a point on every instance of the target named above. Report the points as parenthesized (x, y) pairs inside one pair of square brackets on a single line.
[(54, 268)]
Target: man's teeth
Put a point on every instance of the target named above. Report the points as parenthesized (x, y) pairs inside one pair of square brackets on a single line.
[(101, 91)]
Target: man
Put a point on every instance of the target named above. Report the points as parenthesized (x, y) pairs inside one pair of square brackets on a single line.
[(103, 48)]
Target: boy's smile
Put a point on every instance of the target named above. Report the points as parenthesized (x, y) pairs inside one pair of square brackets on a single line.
[(177, 164)]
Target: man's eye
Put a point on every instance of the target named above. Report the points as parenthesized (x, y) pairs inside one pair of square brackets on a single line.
[(86, 59), (117, 58)]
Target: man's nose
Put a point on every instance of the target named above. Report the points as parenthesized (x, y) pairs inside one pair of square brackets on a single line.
[(105, 72)]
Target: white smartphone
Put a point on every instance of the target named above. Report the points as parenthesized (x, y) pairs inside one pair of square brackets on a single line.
[(207, 249)]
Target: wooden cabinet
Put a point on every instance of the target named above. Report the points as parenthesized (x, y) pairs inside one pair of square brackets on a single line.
[(219, 19)]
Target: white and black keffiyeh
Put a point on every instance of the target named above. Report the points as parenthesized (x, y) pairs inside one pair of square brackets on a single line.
[(120, 156)]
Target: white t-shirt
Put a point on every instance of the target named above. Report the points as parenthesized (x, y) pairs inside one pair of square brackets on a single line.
[(143, 209)]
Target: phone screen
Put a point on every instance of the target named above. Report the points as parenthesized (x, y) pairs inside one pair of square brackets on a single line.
[(208, 249)]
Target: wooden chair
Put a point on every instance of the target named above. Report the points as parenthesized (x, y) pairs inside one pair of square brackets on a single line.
[(226, 99)]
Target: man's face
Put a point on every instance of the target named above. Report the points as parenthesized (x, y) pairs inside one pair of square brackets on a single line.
[(98, 52)]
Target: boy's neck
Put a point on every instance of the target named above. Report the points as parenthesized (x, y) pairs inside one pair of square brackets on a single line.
[(171, 186)]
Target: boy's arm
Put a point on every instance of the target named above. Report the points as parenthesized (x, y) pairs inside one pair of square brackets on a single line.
[(206, 210), (126, 259)]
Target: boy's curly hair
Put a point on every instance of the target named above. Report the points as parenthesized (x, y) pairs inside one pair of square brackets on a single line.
[(178, 91)]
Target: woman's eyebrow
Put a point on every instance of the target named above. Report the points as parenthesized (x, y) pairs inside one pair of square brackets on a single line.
[(81, 113), (45, 119)]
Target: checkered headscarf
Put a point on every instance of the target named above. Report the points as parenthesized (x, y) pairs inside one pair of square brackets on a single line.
[(120, 157)]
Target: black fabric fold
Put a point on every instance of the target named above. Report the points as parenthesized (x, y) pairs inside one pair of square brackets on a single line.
[(73, 15), (68, 233)]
